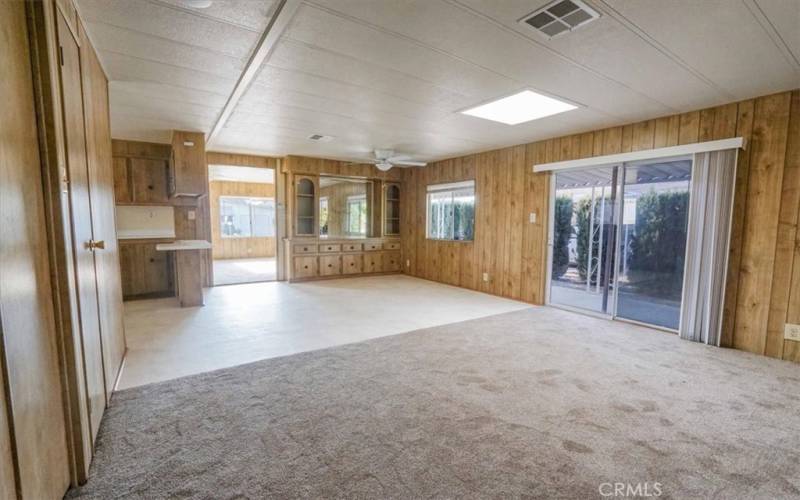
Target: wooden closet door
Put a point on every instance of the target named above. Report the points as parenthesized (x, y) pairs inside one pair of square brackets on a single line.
[(81, 211), (101, 189), (35, 412)]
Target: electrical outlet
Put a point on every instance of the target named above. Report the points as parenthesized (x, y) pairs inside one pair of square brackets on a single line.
[(532, 217), (791, 332), (408, 263), (485, 276)]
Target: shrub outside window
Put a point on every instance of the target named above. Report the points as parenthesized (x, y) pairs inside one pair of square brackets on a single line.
[(451, 211)]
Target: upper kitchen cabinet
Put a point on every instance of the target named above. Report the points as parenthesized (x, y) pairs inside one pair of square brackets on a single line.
[(189, 170)]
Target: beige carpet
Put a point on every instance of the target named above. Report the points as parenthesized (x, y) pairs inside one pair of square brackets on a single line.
[(538, 403)]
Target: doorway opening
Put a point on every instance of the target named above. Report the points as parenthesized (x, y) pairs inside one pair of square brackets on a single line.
[(243, 224), (618, 244)]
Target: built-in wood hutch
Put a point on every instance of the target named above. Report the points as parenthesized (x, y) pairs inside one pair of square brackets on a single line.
[(344, 219)]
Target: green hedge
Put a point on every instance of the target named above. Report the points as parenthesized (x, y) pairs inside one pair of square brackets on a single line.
[(562, 229), (658, 244)]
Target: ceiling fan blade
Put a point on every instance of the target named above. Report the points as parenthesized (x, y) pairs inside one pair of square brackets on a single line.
[(409, 163)]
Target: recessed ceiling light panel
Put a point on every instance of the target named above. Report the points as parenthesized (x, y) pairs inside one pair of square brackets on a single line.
[(559, 17), (520, 108)]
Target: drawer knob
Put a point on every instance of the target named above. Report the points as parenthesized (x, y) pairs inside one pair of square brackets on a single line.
[(351, 264), (305, 249), (305, 267), (330, 265)]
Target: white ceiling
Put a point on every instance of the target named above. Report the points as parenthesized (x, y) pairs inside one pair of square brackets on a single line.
[(241, 174), (395, 73)]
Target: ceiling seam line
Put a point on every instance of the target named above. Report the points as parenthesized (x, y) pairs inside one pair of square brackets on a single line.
[(361, 121), (642, 34), (203, 16), (168, 40), (783, 47), (317, 96), (368, 63), (144, 59), (555, 53), (467, 61)]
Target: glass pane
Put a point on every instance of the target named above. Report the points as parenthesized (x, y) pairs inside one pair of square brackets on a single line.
[(263, 218), (653, 242), (440, 215), (323, 216), (463, 214), (234, 217), (344, 207), (583, 235)]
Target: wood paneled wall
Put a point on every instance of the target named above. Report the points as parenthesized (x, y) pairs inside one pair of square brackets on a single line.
[(238, 248), (34, 458), (215, 158), (763, 290)]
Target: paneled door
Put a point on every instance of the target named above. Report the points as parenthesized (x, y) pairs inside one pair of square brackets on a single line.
[(84, 244)]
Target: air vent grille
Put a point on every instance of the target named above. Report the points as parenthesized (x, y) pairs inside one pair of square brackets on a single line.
[(559, 17)]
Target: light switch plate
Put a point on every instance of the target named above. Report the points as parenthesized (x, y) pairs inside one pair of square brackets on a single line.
[(791, 332), (485, 276), (190, 215)]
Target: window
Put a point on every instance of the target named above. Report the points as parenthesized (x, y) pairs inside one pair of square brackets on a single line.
[(242, 217), (451, 211), (357, 215), (323, 216)]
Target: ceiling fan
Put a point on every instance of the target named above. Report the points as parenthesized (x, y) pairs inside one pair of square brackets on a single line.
[(386, 159)]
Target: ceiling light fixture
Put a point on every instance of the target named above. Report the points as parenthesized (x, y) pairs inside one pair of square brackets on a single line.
[(520, 108)]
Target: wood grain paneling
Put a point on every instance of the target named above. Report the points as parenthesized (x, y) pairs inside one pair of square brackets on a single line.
[(214, 158), (81, 223), (763, 288), (102, 187), (30, 360), (238, 248)]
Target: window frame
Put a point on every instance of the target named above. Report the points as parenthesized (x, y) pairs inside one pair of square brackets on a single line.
[(357, 199), (267, 199), (452, 188)]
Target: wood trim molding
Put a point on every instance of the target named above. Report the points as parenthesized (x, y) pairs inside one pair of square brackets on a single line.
[(645, 154)]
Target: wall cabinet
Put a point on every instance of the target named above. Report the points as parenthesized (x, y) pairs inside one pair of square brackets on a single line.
[(141, 181), (188, 168), (305, 202), (391, 210)]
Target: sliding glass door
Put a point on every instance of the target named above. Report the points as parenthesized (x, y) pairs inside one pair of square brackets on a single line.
[(653, 242), (583, 238), (619, 240)]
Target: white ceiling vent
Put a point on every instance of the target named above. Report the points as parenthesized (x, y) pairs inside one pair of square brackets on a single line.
[(559, 17), (320, 138)]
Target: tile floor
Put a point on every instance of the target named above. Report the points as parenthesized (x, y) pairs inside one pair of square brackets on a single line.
[(234, 271), (244, 323)]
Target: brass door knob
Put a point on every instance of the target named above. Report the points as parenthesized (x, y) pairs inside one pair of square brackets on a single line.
[(96, 245)]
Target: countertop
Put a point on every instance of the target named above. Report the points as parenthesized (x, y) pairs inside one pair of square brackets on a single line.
[(184, 245)]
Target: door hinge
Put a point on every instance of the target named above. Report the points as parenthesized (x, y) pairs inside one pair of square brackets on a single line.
[(60, 55)]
